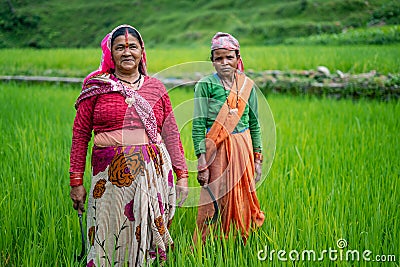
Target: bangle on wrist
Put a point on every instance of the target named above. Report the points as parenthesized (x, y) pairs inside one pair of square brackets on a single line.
[(75, 175), (76, 182), (180, 174), (75, 178)]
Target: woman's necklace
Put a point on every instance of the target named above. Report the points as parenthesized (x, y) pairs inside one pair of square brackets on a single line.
[(231, 110), (130, 100), (131, 83)]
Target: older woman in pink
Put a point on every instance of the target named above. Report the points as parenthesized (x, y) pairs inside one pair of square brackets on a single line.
[(136, 149)]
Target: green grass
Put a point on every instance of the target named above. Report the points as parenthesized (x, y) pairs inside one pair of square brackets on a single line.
[(335, 175), (74, 23), (376, 36), (79, 62)]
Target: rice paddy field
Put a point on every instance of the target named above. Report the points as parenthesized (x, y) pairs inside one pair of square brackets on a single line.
[(79, 62), (330, 193)]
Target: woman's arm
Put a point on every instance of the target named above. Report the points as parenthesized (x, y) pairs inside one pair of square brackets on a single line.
[(255, 132), (171, 136), (254, 124), (81, 135), (201, 100)]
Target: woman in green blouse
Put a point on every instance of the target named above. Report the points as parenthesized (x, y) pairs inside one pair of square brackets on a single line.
[(227, 140)]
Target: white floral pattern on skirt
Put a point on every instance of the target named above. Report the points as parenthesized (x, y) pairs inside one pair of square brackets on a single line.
[(130, 206)]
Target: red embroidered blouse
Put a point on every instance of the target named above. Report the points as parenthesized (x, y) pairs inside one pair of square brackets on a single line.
[(108, 111)]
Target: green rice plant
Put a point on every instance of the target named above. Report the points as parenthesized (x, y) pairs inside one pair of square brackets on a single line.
[(51, 62), (335, 175), (79, 62), (348, 59)]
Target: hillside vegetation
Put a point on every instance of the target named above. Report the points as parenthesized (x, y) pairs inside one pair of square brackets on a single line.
[(74, 23)]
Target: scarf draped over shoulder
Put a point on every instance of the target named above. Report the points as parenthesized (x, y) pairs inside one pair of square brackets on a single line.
[(226, 120), (103, 83)]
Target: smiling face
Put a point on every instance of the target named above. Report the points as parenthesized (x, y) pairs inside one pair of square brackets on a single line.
[(126, 54), (225, 62)]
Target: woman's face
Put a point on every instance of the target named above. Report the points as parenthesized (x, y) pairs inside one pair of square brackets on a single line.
[(225, 62), (126, 53)]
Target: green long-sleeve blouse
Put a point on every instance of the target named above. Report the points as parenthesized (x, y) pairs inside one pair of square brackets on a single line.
[(209, 97)]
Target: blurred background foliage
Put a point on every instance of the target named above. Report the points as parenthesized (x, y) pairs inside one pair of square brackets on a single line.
[(76, 24)]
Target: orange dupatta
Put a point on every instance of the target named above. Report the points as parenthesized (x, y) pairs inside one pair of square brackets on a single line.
[(244, 206), (226, 121)]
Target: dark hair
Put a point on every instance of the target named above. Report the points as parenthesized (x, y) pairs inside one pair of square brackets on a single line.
[(134, 33), (212, 54), (121, 31)]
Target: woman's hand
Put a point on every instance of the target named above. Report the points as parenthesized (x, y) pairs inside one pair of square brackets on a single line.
[(78, 196), (182, 190), (258, 170), (203, 174)]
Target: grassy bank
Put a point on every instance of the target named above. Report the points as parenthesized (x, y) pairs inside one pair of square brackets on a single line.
[(73, 23)]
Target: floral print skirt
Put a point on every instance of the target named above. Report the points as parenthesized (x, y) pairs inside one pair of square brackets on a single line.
[(131, 204)]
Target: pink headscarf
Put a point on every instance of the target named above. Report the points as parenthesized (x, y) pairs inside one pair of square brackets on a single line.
[(222, 40), (107, 63)]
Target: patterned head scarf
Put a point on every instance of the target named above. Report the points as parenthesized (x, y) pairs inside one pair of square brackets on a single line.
[(222, 40), (107, 63)]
